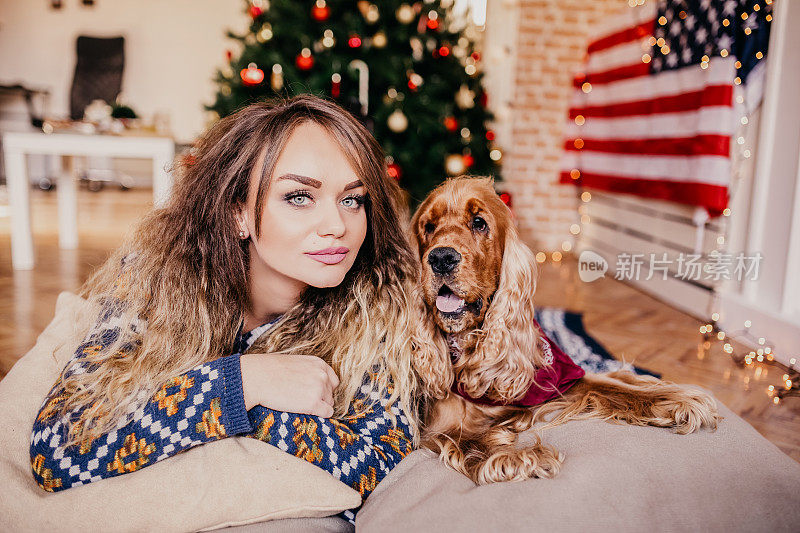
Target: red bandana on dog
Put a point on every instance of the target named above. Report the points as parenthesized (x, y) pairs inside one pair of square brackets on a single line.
[(550, 381)]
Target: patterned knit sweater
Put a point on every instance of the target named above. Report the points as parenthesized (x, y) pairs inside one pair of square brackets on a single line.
[(207, 404)]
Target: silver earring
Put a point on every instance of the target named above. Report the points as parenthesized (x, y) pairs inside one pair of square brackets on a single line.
[(242, 234)]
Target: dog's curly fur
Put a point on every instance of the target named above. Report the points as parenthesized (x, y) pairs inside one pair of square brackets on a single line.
[(496, 277)]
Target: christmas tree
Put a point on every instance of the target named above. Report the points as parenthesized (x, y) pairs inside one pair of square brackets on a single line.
[(409, 71)]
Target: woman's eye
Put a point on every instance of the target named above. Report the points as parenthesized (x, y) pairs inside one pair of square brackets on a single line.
[(478, 224), (353, 202), (298, 199)]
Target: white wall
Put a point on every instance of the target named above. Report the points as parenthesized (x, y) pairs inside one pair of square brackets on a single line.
[(770, 219), (172, 48)]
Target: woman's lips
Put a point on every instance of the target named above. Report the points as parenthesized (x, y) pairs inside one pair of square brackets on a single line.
[(329, 256)]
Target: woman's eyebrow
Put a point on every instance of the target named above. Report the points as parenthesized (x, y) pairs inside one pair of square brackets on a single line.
[(305, 180), (353, 185)]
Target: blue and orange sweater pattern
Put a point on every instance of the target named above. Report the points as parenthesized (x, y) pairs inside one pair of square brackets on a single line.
[(207, 404)]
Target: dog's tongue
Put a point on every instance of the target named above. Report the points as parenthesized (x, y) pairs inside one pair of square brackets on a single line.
[(449, 303)]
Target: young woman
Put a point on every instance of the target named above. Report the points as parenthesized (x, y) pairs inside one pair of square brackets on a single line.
[(281, 242)]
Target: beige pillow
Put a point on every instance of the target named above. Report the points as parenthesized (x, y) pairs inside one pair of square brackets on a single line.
[(615, 478), (233, 481)]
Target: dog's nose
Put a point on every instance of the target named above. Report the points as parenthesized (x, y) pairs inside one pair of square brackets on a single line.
[(443, 260)]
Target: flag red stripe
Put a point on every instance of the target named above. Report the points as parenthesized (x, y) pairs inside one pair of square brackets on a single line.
[(623, 36), (713, 197), (683, 146), (713, 95), (615, 74)]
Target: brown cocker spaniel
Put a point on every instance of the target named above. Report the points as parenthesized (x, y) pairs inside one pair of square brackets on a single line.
[(488, 367)]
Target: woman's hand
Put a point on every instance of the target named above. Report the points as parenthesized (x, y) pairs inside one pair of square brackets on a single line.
[(292, 383)]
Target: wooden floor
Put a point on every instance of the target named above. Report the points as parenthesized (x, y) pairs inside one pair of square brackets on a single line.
[(630, 324)]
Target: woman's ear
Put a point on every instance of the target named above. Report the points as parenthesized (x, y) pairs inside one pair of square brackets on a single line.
[(242, 219), (506, 352)]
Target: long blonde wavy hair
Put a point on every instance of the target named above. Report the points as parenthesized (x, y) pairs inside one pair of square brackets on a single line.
[(179, 285)]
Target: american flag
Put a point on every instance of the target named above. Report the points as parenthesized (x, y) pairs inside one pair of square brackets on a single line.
[(653, 113)]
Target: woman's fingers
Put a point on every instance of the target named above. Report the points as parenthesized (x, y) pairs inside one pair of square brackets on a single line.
[(334, 378), (292, 383), (323, 409)]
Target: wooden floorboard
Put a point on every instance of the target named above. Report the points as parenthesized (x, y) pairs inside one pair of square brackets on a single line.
[(630, 324)]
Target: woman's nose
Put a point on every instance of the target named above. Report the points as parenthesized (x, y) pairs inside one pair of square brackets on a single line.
[(331, 222)]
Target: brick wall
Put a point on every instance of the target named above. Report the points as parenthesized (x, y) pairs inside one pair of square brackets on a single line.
[(551, 43)]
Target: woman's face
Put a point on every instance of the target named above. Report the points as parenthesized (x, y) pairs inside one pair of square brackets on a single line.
[(313, 220)]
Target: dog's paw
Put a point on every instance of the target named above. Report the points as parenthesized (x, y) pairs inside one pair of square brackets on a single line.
[(518, 464), (691, 410)]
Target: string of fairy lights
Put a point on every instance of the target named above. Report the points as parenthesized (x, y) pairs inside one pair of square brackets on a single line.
[(763, 351)]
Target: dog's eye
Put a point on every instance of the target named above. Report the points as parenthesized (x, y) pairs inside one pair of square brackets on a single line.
[(478, 224), (429, 227)]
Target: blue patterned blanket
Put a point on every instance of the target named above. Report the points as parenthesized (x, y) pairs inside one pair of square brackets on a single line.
[(567, 331)]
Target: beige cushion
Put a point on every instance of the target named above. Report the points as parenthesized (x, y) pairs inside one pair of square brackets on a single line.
[(614, 478), (234, 481)]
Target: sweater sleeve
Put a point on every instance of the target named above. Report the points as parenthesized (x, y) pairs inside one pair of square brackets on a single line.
[(359, 450), (204, 404)]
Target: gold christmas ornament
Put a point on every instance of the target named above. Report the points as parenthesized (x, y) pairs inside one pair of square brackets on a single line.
[(397, 121), (405, 14), (454, 164), (327, 39), (265, 34), (417, 49), (276, 80), (465, 98), (379, 40)]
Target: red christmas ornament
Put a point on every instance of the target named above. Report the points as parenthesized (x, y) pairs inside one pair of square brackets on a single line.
[(483, 99), (354, 41), (476, 56), (256, 11), (252, 75), (433, 24), (489, 135), (451, 124), (304, 60), (468, 160), (394, 171), (444, 51), (320, 12), (505, 198)]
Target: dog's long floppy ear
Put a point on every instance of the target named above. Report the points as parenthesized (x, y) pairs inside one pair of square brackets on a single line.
[(507, 352), (431, 354)]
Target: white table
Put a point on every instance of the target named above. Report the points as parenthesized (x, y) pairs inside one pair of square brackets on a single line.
[(66, 145)]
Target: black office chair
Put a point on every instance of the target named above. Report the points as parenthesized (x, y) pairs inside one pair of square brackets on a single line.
[(98, 72)]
